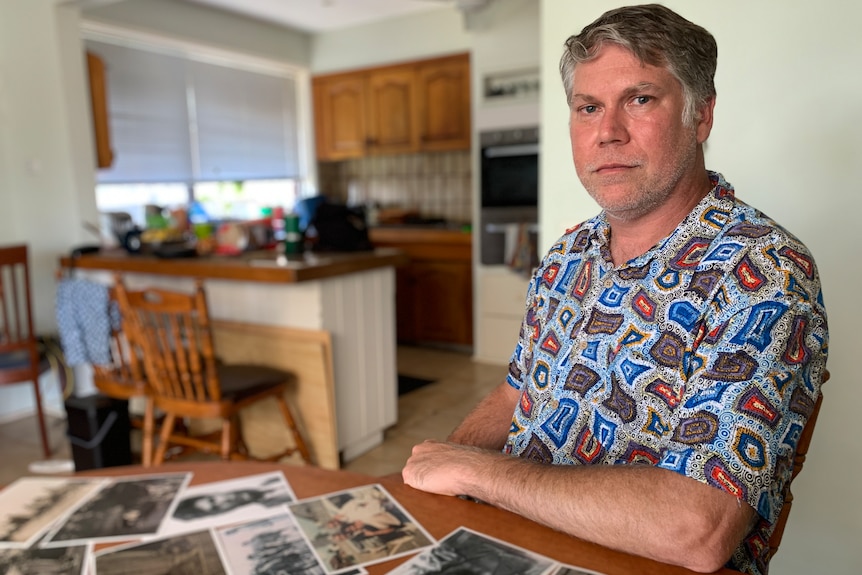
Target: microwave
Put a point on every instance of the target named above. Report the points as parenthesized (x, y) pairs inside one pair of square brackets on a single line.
[(509, 170)]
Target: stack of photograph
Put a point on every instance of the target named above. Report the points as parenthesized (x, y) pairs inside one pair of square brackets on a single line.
[(255, 525)]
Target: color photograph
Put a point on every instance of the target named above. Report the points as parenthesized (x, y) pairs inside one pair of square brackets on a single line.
[(358, 526)]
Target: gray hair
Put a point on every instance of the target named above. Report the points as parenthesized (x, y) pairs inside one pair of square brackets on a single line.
[(657, 36)]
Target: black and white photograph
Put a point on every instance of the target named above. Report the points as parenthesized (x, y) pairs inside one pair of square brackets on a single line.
[(358, 526), (126, 508), (31, 505), (466, 552), (272, 545), (229, 502), (36, 561), (571, 570), (186, 554)]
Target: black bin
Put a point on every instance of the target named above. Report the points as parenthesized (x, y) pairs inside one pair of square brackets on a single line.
[(99, 431)]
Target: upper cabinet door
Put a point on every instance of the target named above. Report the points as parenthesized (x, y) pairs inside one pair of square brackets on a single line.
[(391, 116), (99, 102), (444, 103), (339, 116), (405, 108)]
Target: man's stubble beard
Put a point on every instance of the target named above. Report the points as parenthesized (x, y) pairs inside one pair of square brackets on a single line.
[(646, 196)]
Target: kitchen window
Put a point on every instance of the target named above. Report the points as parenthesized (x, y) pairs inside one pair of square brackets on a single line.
[(192, 124)]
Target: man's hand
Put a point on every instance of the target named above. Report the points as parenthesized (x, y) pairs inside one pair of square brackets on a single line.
[(653, 512), (444, 468)]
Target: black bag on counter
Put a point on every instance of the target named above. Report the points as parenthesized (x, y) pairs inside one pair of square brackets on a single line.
[(339, 228)]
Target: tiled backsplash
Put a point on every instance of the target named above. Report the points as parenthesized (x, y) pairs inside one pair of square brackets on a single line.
[(437, 185)]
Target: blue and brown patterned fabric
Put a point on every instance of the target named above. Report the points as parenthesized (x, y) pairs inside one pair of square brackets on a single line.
[(703, 356)]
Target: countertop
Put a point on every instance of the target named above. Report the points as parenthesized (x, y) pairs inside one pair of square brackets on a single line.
[(257, 266), (400, 234)]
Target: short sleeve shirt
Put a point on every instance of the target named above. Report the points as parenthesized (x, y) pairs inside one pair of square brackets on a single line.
[(703, 356)]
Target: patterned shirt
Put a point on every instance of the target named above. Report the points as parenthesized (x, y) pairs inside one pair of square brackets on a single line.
[(703, 356)]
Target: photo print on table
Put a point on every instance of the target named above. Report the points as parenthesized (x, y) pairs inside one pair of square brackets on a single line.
[(126, 508), (468, 551), (65, 560), (272, 545), (30, 506), (187, 553), (228, 502), (358, 526), (572, 570)]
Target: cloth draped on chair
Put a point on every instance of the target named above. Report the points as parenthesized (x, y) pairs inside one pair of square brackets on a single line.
[(86, 316)]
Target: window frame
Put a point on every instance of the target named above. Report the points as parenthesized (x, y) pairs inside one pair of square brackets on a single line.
[(306, 180)]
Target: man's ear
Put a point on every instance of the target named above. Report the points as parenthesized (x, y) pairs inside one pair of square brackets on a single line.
[(704, 119)]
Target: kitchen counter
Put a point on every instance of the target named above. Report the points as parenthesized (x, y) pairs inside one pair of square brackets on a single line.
[(434, 297), (257, 266), (349, 297)]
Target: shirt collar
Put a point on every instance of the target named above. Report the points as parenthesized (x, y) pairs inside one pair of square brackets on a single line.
[(719, 199)]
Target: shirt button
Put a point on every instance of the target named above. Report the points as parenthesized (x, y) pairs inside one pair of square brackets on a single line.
[(609, 283)]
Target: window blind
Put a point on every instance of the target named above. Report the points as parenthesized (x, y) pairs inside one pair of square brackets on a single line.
[(175, 119)]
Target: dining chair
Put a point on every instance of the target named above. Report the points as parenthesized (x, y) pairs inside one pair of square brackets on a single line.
[(798, 461), (20, 357), (172, 333)]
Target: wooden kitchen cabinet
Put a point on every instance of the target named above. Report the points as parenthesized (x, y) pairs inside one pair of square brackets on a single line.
[(443, 106), (406, 108), (434, 291), (99, 103), (339, 116)]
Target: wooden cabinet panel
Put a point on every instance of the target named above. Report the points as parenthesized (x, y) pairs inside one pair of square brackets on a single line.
[(434, 291), (99, 102), (444, 103), (406, 108), (339, 117), (442, 302), (390, 113)]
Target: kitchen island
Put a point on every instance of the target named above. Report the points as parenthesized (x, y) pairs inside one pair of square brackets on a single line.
[(270, 311)]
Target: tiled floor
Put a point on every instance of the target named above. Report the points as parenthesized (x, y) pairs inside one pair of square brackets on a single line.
[(430, 412)]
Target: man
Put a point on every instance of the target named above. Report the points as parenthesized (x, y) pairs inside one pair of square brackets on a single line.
[(673, 346)]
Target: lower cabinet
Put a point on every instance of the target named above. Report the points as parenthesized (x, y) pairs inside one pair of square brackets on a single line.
[(434, 291)]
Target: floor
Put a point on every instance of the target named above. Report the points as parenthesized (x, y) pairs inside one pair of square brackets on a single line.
[(429, 412)]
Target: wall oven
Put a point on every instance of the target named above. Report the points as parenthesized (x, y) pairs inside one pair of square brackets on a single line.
[(509, 184), (510, 167)]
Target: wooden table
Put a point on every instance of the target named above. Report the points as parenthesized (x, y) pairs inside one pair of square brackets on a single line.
[(438, 514)]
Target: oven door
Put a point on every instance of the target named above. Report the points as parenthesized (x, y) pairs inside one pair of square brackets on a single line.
[(510, 175)]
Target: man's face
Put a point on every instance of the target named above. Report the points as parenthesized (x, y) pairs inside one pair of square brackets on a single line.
[(630, 147)]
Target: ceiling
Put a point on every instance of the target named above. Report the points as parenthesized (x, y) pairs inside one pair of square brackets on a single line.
[(315, 16)]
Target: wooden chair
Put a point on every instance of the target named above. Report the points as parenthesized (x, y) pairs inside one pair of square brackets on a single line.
[(124, 379), (172, 333), (798, 462), (20, 357)]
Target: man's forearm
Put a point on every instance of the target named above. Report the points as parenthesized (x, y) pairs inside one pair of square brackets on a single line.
[(487, 426), (638, 509)]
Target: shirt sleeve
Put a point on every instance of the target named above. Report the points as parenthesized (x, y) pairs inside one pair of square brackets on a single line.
[(754, 380)]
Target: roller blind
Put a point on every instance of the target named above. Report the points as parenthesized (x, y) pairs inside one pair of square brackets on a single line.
[(175, 119)]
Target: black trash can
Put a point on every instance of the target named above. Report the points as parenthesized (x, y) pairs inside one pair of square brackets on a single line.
[(99, 431)]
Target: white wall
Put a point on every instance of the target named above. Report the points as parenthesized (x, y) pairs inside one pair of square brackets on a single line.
[(46, 183), (787, 136), (410, 37), (203, 25)]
